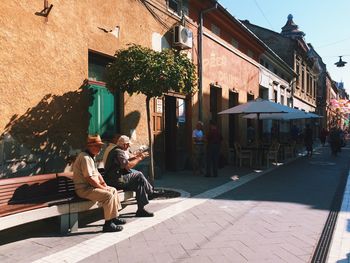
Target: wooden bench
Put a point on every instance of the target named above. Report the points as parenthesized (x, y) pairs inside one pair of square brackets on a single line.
[(32, 198)]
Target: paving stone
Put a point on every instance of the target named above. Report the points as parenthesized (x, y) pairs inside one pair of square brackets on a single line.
[(275, 218)]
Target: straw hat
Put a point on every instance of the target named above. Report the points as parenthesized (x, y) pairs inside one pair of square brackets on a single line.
[(94, 140)]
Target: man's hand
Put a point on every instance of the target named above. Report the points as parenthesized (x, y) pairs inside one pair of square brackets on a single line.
[(97, 182)]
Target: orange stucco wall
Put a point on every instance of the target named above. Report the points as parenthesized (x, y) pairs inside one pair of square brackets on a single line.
[(228, 69), (44, 63)]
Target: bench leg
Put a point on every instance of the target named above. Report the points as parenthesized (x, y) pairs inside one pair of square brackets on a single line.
[(69, 223)]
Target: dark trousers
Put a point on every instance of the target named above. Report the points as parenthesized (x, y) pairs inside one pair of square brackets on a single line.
[(134, 181), (213, 156)]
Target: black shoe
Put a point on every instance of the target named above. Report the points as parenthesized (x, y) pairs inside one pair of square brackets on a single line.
[(118, 221), (143, 213), (155, 194), (111, 227)]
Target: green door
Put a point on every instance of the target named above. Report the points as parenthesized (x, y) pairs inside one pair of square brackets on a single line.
[(102, 120)]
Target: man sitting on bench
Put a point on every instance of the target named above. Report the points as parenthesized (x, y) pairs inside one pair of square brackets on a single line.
[(89, 184), (119, 174)]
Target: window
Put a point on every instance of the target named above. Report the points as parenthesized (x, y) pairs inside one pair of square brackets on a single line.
[(174, 5), (314, 89), (250, 53), (266, 65), (102, 107), (215, 29), (298, 77), (234, 42), (302, 80), (97, 66), (178, 6)]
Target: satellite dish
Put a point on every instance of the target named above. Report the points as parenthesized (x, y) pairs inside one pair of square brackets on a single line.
[(340, 63)]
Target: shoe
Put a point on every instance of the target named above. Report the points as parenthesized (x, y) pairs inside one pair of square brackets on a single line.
[(118, 221), (143, 213), (111, 227)]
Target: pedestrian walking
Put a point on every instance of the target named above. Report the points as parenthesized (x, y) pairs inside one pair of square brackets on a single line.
[(334, 140), (308, 141), (323, 136)]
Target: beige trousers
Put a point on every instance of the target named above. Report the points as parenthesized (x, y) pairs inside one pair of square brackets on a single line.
[(108, 198)]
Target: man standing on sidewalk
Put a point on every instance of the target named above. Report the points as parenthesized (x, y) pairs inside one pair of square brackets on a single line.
[(214, 139), (198, 149)]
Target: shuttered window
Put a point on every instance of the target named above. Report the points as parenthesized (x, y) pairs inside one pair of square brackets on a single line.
[(103, 106)]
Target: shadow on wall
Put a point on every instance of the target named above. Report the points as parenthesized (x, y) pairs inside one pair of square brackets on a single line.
[(130, 122), (44, 138)]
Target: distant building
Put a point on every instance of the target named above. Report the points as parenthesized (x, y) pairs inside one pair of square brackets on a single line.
[(292, 48)]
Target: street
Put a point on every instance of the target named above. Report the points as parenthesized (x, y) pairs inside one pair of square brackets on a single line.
[(276, 216)]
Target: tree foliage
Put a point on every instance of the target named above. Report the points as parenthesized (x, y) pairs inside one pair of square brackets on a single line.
[(139, 69)]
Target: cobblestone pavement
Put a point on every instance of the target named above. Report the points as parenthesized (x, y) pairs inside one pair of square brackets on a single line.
[(276, 215)]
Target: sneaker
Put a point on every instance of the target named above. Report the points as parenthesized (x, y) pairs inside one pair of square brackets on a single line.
[(118, 221), (111, 227), (143, 213)]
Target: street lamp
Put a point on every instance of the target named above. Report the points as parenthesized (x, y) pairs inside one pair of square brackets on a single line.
[(340, 63)]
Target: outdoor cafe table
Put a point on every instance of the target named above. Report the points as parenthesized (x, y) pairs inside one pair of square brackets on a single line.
[(259, 151)]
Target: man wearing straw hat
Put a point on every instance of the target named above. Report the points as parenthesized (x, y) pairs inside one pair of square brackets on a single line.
[(89, 184)]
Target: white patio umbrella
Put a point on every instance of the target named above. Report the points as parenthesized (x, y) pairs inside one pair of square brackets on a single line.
[(298, 114), (258, 107)]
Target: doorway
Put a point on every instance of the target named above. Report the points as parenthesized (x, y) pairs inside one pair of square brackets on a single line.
[(215, 102), (175, 130), (232, 119)]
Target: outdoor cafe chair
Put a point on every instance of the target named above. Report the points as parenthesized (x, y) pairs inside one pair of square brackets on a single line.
[(290, 149), (272, 153), (243, 154)]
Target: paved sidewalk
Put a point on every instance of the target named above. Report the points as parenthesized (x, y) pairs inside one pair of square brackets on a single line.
[(276, 217), (340, 247)]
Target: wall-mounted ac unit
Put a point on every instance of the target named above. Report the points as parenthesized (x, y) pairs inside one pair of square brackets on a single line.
[(182, 37)]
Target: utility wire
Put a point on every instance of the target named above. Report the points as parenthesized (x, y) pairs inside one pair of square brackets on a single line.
[(155, 15), (333, 43), (262, 12)]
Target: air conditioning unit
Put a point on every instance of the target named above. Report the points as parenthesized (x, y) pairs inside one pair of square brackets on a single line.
[(182, 37)]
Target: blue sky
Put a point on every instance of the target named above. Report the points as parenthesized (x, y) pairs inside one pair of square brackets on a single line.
[(326, 25)]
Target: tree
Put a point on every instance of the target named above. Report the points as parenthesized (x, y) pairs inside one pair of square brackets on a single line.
[(139, 69)]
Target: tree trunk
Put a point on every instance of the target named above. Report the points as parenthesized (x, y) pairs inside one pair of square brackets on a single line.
[(150, 141)]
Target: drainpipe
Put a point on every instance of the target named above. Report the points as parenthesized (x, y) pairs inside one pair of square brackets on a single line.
[(200, 61)]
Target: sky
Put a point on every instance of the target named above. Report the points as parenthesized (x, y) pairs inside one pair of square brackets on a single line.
[(326, 25)]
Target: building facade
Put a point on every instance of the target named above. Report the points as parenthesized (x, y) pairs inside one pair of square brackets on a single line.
[(292, 48)]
